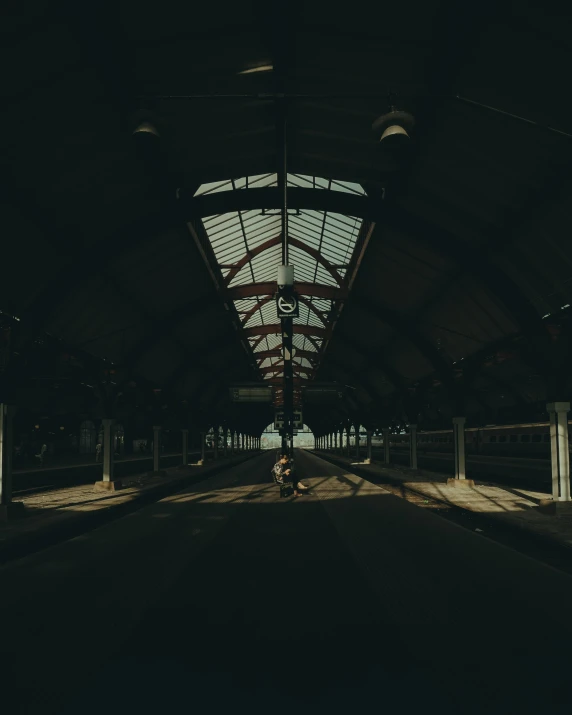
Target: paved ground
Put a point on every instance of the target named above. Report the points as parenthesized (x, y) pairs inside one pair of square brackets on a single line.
[(226, 597), (512, 505), (53, 515)]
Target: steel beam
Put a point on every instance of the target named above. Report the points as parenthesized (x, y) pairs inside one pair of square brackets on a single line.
[(276, 328), (277, 241), (315, 290)]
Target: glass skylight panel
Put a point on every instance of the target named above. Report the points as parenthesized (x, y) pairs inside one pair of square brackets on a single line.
[(314, 320), (274, 341), (304, 362), (213, 187), (233, 235), (322, 305), (299, 342), (262, 180), (304, 312), (348, 187)]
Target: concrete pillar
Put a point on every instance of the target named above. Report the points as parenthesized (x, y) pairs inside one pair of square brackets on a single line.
[(108, 482), (225, 433), (185, 436), (413, 446), (156, 448), (459, 445), (108, 450), (6, 450), (368, 447), (203, 448), (232, 436), (341, 442), (560, 456), (357, 443), (241, 437), (215, 442), (386, 445), (348, 446)]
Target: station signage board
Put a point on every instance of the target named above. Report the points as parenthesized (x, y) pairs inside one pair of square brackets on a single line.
[(279, 420), (251, 394)]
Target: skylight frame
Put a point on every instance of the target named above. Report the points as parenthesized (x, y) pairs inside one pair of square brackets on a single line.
[(234, 235)]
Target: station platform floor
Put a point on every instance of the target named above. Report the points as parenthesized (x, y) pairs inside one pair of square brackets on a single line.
[(226, 596), (512, 505)]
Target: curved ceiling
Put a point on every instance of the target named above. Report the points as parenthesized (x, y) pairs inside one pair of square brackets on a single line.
[(247, 249), (465, 284)]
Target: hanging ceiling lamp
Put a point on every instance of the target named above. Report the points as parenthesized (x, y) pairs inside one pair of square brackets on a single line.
[(393, 128)]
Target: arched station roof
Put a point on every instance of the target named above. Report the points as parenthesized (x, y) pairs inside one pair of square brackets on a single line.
[(463, 289), (246, 246)]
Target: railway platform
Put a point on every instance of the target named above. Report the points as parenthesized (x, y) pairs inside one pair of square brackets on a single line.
[(225, 596), (516, 507), (54, 514)]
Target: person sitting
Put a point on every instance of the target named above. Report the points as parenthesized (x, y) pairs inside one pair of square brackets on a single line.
[(280, 470), (285, 468)]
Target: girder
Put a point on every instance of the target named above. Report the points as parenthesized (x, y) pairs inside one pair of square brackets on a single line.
[(314, 290), (277, 241)]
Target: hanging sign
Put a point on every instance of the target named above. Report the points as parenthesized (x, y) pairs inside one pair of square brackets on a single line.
[(287, 304), (279, 420)]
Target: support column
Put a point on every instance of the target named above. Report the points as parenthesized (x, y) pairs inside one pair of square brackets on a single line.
[(335, 442), (368, 447), (185, 436), (386, 445), (8, 508), (357, 443), (232, 436), (460, 478), (560, 456), (341, 442), (225, 443), (203, 448), (413, 446), (215, 443), (157, 471), (348, 446), (108, 482)]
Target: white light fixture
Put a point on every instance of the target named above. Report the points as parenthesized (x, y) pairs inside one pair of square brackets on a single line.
[(260, 68), (285, 275), (393, 127), (146, 128)]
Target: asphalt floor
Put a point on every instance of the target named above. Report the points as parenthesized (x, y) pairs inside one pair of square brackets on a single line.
[(226, 596)]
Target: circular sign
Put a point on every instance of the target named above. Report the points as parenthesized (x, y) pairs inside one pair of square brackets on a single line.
[(287, 304)]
